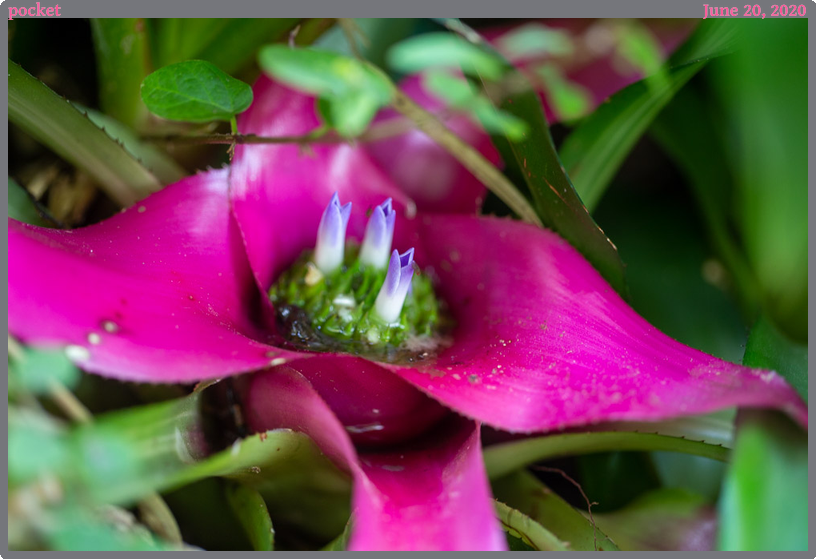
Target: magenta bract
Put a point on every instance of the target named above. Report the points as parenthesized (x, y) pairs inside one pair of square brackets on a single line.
[(172, 290)]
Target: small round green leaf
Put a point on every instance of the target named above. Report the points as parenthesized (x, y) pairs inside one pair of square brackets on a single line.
[(195, 91), (324, 73), (458, 93), (350, 91), (443, 50)]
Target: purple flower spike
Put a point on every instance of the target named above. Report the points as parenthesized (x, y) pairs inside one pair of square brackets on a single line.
[(378, 235), (331, 236), (391, 297)]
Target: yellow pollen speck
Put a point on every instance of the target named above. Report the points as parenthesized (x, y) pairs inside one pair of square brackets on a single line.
[(313, 275)]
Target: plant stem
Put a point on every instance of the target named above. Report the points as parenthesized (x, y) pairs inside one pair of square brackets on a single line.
[(388, 129), (467, 156), (69, 403)]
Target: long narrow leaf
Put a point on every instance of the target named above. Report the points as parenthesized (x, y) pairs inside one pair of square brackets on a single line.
[(594, 151), (533, 534), (52, 120), (763, 92), (250, 510), (178, 39), (524, 492), (764, 499), (155, 160), (127, 454), (238, 41), (122, 62), (502, 459), (534, 162)]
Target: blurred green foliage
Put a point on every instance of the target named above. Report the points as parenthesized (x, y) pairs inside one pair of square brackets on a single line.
[(763, 93)]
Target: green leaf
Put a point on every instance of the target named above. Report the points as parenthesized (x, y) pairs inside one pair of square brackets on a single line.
[(444, 51), (452, 89), (201, 508), (675, 282), (78, 529), (769, 348), (350, 91), (50, 119), (37, 444), (351, 113), (524, 492), (690, 131), (250, 509), (122, 61), (614, 479), (762, 506), (535, 39), (155, 160), (380, 33), (716, 428), (521, 526), (237, 43), (504, 458), (534, 162), (764, 500), (694, 474), (22, 206), (340, 543), (460, 95), (763, 92), (595, 150), (163, 448), (665, 519), (37, 370), (195, 91), (229, 43), (638, 47), (324, 73), (178, 39), (569, 100)]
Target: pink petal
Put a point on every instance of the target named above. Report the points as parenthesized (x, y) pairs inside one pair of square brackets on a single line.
[(430, 494), (426, 172), (373, 404), (543, 342), (279, 192), (160, 292)]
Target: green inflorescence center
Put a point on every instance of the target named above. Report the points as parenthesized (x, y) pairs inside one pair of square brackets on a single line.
[(335, 312)]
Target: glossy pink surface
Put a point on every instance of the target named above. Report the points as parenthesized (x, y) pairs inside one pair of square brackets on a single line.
[(375, 405), (543, 342), (430, 494), (161, 292)]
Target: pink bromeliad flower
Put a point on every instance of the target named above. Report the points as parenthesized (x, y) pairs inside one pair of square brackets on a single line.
[(176, 289)]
